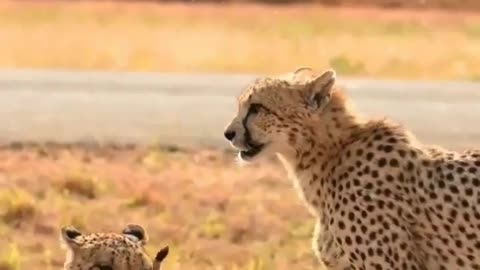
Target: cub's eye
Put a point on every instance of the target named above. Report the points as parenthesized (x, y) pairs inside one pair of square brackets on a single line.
[(255, 108), (101, 267)]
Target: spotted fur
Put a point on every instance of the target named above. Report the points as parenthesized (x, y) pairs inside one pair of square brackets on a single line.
[(109, 251), (380, 197)]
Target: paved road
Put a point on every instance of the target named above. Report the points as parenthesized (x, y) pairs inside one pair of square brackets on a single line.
[(193, 109)]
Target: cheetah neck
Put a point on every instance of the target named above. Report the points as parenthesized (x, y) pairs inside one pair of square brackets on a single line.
[(315, 146), (322, 138)]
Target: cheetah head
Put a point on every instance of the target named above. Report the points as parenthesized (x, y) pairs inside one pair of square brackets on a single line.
[(109, 251), (273, 111)]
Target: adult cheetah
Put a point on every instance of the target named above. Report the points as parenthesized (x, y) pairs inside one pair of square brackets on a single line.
[(381, 199), (109, 251)]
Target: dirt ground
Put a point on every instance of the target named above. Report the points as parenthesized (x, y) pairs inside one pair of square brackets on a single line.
[(249, 38), (212, 212)]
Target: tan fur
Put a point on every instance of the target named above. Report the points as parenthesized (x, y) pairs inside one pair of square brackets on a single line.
[(381, 198)]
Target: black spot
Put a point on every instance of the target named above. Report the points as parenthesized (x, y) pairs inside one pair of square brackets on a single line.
[(441, 184), (394, 162), (358, 240), (382, 162), (454, 189), (348, 240), (476, 182), (356, 182), (410, 166), (387, 148), (459, 244), (392, 140)]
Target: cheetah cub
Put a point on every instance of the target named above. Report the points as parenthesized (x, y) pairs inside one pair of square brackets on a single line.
[(109, 251), (381, 198)]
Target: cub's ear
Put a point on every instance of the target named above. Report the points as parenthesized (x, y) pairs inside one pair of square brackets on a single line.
[(160, 257), (319, 90), (70, 237), (136, 233)]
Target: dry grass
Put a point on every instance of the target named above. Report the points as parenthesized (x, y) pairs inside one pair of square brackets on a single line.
[(213, 213), (239, 38), (16, 206)]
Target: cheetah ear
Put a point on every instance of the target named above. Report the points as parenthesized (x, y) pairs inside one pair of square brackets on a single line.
[(136, 233), (320, 90), (302, 73), (159, 258), (70, 237)]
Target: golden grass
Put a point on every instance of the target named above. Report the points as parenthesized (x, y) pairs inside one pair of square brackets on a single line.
[(16, 206), (213, 213), (239, 38), (11, 258)]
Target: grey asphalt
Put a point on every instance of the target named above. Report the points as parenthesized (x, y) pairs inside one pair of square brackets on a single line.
[(192, 109)]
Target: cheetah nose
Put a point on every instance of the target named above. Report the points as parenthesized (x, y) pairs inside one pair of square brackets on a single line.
[(229, 135)]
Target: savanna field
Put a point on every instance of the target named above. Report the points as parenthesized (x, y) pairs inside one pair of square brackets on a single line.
[(212, 212), (248, 38)]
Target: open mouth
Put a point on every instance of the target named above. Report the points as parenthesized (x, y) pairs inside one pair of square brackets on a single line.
[(252, 151)]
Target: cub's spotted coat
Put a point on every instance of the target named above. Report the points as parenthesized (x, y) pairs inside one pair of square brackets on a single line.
[(109, 251)]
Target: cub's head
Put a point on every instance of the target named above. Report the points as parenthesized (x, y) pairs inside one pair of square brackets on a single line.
[(109, 251), (272, 113)]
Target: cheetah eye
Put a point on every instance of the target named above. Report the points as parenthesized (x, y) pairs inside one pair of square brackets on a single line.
[(255, 108)]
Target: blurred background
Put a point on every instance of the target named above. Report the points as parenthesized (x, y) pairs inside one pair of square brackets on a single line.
[(113, 112)]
